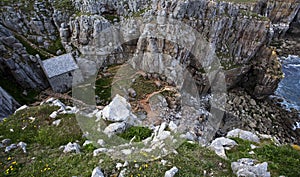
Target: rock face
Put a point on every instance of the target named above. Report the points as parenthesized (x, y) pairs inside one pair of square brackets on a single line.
[(240, 34), (18, 63), (247, 167), (7, 104)]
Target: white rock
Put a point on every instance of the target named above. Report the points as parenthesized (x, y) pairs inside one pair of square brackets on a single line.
[(220, 144), (119, 166), (163, 162), (189, 136), (99, 115), (125, 164), (122, 173), (164, 135), (247, 167), (21, 108), (10, 147), (126, 151), (98, 151), (252, 146), (69, 110), (97, 172), (245, 135), (118, 110), (58, 103), (101, 142), (173, 127), (272, 138), (171, 172), (50, 100), (92, 114), (71, 147), (6, 142), (57, 122), (53, 115), (22, 145), (251, 152), (87, 142), (162, 127), (115, 128)]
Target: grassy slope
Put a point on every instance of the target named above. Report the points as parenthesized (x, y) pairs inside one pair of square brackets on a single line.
[(45, 159)]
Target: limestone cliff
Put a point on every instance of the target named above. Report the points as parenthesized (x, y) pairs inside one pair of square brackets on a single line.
[(240, 33)]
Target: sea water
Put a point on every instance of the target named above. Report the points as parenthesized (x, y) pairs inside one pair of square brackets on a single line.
[(289, 87)]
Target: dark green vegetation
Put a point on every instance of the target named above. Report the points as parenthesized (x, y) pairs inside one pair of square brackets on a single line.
[(55, 46), (65, 5), (112, 18), (283, 160), (140, 133), (16, 91), (30, 49)]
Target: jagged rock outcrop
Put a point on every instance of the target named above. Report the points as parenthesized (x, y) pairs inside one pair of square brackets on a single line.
[(241, 34), (16, 62), (7, 104)]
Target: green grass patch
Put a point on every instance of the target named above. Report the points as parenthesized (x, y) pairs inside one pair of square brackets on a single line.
[(112, 18), (282, 160), (24, 128), (140, 133), (192, 160), (55, 46), (31, 50), (144, 87), (45, 159), (67, 131), (65, 5)]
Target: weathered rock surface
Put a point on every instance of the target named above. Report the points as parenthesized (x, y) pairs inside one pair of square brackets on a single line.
[(241, 34), (171, 172), (97, 172), (8, 104), (248, 167), (245, 135), (219, 145), (245, 29), (118, 110), (71, 147)]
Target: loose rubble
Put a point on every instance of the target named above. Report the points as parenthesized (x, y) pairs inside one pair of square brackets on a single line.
[(249, 167), (71, 147)]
